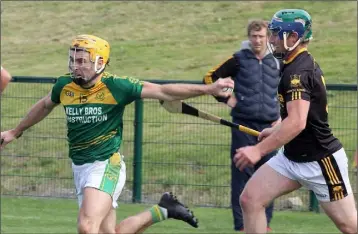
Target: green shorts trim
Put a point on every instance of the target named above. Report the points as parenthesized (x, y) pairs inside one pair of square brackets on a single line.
[(111, 175)]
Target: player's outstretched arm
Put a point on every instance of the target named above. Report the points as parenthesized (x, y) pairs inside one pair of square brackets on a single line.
[(5, 79), (37, 113), (171, 92)]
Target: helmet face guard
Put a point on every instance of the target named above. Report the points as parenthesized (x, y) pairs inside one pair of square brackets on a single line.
[(81, 67), (84, 55)]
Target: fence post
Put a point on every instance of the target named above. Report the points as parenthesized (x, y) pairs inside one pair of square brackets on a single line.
[(313, 202), (137, 162)]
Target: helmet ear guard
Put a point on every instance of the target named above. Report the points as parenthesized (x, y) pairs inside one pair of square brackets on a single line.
[(99, 70)]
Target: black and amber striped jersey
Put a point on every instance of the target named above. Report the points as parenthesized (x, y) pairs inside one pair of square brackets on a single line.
[(302, 78)]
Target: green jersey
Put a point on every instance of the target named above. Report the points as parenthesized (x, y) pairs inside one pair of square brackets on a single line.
[(95, 115)]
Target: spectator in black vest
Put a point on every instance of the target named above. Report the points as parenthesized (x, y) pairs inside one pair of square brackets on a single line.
[(256, 74)]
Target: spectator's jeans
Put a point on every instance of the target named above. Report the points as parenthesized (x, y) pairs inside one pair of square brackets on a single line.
[(238, 178)]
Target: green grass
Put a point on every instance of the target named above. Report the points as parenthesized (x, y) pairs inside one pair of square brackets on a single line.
[(29, 215), (162, 40), (172, 40)]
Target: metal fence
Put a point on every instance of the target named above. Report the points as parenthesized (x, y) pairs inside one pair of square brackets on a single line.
[(163, 151)]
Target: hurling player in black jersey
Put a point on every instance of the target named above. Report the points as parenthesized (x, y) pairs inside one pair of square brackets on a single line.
[(311, 156)]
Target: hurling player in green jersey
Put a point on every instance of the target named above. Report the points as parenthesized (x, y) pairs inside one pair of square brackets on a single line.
[(94, 102)]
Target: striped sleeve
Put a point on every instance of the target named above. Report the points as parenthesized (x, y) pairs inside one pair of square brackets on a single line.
[(223, 70)]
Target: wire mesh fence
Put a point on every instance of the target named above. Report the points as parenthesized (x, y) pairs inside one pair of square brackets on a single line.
[(183, 154)]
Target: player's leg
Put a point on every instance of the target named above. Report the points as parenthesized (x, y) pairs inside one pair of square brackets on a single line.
[(168, 207), (343, 213), (269, 182), (270, 206), (100, 185), (95, 207), (136, 223), (239, 178), (238, 181), (109, 222), (333, 189), (132, 224)]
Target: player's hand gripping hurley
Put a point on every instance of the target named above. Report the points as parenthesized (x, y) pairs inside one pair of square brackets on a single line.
[(182, 107)]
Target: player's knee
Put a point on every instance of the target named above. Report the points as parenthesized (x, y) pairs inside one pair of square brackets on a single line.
[(107, 230), (83, 228), (86, 226), (249, 201), (347, 226), (348, 229), (117, 229)]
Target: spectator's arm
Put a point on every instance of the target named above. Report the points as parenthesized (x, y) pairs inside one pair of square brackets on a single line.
[(223, 70)]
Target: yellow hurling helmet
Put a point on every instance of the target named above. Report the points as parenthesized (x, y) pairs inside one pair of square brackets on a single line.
[(96, 47)]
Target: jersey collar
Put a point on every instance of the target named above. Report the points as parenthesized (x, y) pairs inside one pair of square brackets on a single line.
[(292, 56)]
